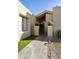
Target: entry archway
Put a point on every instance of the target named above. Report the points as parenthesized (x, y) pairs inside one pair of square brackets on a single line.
[(42, 29)]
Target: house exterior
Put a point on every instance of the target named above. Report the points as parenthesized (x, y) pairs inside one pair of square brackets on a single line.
[(46, 23), (25, 21), (43, 19), (53, 17)]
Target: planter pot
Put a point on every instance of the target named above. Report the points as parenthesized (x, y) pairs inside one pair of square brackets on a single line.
[(36, 30), (50, 31)]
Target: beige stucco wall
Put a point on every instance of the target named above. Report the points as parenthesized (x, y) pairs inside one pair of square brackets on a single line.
[(50, 31), (33, 24), (36, 30), (57, 18), (24, 11), (48, 17)]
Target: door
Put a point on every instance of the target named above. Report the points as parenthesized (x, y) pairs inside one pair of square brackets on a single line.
[(41, 29)]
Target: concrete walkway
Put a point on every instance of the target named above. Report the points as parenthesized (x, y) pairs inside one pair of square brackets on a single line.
[(37, 49), (41, 49)]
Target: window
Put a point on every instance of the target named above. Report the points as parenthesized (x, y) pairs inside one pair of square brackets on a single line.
[(24, 24)]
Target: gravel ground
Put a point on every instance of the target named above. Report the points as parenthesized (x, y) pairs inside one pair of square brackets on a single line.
[(54, 49)]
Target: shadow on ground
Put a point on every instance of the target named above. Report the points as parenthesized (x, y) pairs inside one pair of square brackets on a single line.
[(45, 38), (57, 40)]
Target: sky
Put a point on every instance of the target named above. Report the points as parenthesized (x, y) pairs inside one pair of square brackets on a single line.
[(37, 6)]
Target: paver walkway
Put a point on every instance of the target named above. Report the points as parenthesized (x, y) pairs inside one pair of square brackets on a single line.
[(37, 49)]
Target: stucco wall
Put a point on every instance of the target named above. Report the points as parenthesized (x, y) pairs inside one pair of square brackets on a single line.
[(24, 11), (36, 30), (50, 31), (48, 17), (57, 19), (57, 16), (33, 24)]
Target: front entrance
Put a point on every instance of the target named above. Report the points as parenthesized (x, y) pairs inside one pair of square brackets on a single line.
[(42, 29), (42, 24)]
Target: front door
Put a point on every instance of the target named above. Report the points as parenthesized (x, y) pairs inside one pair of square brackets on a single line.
[(41, 29)]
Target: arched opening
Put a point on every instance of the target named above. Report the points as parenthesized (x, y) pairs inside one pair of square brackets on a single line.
[(42, 24)]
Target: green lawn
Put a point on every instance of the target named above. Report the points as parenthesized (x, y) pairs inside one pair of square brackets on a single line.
[(24, 42)]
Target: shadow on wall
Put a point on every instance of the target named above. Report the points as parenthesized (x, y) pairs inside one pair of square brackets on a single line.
[(58, 33), (57, 37), (56, 40)]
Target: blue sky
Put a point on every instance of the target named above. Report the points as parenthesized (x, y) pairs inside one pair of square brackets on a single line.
[(37, 6)]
